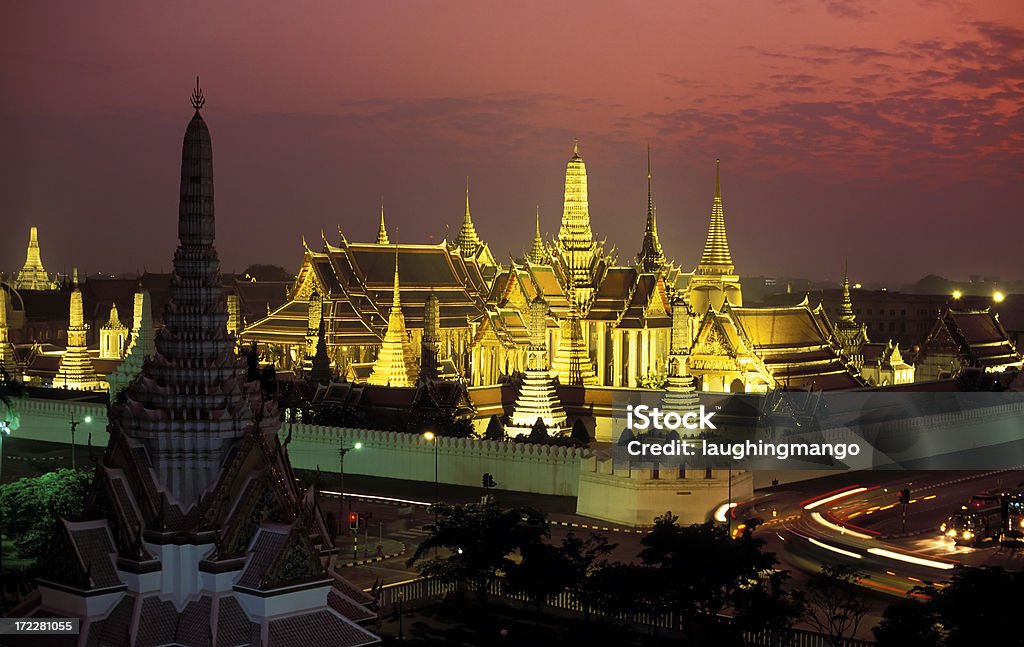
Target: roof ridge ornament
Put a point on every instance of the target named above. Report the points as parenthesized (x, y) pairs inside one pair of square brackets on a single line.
[(198, 100)]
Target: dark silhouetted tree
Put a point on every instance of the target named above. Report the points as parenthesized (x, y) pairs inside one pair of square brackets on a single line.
[(908, 622), (585, 558), (976, 602), (480, 540), (539, 432), (835, 603), (766, 606)]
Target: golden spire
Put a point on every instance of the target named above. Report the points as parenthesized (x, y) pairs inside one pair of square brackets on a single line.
[(395, 364), (537, 253), (76, 370), (575, 238), (716, 258), (382, 231), (846, 308), (468, 241), (651, 257)]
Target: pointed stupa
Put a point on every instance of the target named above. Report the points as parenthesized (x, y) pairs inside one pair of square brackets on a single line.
[(846, 307), (382, 231), (430, 342), (33, 275), (537, 398), (651, 257), (395, 364), (716, 258), (575, 238), (850, 334), (468, 241), (572, 361), (538, 255), (320, 366), (76, 370)]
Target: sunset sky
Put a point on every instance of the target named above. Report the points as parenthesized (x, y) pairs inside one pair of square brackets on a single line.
[(890, 132)]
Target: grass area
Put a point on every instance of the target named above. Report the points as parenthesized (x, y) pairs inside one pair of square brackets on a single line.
[(456, 622)]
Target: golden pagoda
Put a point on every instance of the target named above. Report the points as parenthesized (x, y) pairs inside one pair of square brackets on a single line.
[(538, 254), (76, 370), (715, 281), (849, 333), (382, 230), (33, 276), (395, 364), (537, 399), (577, 249)]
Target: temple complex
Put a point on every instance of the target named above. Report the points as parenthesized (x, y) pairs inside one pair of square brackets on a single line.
[(196, 531), (76, 369), (33, 275)]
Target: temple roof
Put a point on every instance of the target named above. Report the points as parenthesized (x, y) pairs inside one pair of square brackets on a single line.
[(977, 336)]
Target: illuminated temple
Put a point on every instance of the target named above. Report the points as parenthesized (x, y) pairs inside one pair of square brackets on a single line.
[(612, 323)]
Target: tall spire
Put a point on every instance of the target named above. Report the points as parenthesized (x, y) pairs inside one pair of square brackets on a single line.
[(395, 364), (651, 257), (33, 275), (575, 238), (468, 240), (537, 253), (76, 370), (170, 409), (846, 308), (140, 347), (113, 336), (716, 258), (382, 231)]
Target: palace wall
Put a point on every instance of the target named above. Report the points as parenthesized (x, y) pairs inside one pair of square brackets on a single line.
[(460, 461), (50, 421)]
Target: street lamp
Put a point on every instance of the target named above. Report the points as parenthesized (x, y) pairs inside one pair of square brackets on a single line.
[(74, 425), (342, 450), (431, 436)]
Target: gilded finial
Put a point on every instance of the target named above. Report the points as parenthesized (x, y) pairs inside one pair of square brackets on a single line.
[(198, 100), (576, 148), (718, 178)]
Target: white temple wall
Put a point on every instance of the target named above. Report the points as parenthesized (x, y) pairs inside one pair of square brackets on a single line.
[(460, 461), (50, 420)]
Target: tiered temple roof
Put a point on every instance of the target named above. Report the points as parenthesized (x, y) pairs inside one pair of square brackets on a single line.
[(716, 258), (969, 339)]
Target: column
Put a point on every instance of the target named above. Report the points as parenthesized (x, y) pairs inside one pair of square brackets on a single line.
[(602, 368), (616, 357)]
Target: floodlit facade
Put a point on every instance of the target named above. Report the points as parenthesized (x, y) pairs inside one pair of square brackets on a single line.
[(33, 275)]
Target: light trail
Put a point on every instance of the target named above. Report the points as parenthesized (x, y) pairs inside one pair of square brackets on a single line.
[(834, 549), (910, 559), (840, 529), (722, 510), (834, 497)]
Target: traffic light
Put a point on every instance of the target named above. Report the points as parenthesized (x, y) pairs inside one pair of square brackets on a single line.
[(487, 480), (353, 520), (905, 495)]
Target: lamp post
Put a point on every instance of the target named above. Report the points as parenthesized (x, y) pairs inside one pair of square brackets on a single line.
[(431, 436), (342, 450), (74, 425)]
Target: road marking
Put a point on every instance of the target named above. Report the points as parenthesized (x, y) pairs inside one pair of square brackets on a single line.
[(833, 548)]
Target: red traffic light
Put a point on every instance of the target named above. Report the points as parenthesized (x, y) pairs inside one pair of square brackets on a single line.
[(352, 517)]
